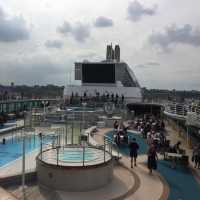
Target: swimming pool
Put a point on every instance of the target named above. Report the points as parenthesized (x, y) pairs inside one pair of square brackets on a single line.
[(12, 150), (76, 155)]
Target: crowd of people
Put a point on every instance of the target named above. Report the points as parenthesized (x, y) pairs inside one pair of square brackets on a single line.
[(147, 127), (153, 130), (75, 98), (120, 133)]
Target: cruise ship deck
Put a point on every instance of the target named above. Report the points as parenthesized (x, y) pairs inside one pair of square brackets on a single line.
[(127, 183)]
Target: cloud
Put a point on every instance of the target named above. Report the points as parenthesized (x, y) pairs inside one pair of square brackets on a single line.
[(148, 64), (54, 44), (153, 63), (102, 22), (136, 11), (12, 29), (65, 28), (79, 31), (174, 35), (33, 70), (140, 66)]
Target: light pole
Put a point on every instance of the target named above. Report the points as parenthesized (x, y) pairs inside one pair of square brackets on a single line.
[(23, 157), (84, 105), (40, 135), (44, 103), (73, 118), (23, 167)]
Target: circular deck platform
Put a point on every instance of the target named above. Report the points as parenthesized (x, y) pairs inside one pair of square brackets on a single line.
[(74, 168)]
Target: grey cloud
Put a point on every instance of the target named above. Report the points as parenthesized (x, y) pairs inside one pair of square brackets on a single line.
[(102, 22), (176, 35), (148, 64), (65, 28), (79, 31), (12, 29), (136, 11), (153, 63), (36, 70), (54, 44), (140, 66)]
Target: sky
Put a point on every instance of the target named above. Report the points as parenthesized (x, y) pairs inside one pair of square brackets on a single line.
[(159, 39)]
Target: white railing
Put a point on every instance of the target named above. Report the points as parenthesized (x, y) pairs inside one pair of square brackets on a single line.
[(108, 143), (190, 113), (177, 109)]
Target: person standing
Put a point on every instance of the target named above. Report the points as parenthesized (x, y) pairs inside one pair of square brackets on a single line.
[(133, 146), (198, 162), (115, 125), (196, 156), (152, 158)]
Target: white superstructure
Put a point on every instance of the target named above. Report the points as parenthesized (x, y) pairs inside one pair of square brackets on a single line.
[(123, 81)]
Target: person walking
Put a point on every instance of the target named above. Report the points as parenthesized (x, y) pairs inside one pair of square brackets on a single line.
[(196, 156), (152, 159), (115, 125), (133, 146)]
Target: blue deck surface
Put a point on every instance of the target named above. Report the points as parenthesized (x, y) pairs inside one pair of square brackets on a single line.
[(183, 185), (124, 148), (13, 147)]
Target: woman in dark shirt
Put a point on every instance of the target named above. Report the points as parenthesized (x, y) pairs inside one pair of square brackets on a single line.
[(152, 158)]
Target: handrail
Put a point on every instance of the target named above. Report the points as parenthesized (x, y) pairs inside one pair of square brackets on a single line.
[(111, 144), (41, 157), (109, 147), (182, 109)]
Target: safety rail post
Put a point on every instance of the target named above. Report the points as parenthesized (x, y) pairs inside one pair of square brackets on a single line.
[(83, 155), (23, 166), (111, 147), (108, 146), (104, 155), (118, 153), (57, 149), (66, 133), (40, 135), (72, 135), (175, 109)]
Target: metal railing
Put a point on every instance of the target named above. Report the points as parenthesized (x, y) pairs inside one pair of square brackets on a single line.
[(177, 109), (104, 153), (56, 160), (108, 144), (182, 109)]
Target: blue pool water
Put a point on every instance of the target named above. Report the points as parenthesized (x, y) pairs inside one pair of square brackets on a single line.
[(76, 155), (183, 185), (13, 147)]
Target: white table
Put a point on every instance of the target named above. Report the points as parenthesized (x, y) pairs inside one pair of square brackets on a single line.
[(173, 157)]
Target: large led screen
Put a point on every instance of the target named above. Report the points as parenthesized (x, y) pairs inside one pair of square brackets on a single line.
[(98, 73)]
